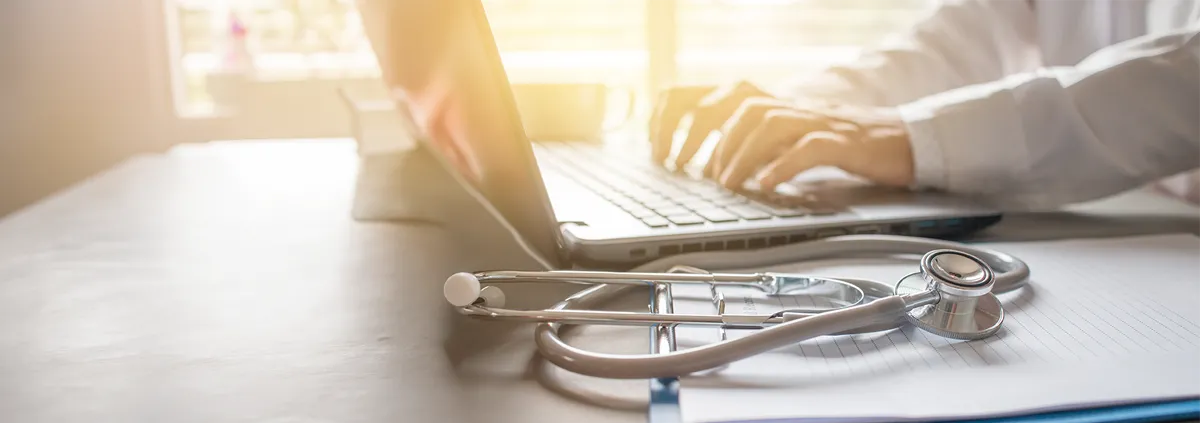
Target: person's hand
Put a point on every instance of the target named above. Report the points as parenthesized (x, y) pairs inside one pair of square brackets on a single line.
[(774, 140), (709, 106)]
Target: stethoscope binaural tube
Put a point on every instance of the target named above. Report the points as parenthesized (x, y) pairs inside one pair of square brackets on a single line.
[(641, 366), (1009, 273)]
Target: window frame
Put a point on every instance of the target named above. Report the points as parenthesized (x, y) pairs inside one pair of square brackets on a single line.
[(662, 46)]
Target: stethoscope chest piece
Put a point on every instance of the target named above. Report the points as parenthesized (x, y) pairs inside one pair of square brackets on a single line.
[(966, 308)]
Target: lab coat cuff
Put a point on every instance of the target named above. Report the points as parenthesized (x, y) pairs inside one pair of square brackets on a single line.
[(968, 141), (929, 168)]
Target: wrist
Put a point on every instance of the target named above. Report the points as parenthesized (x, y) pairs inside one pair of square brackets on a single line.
[(928, 160)]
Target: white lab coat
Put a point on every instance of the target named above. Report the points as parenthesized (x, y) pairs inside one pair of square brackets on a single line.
[(1034, 104)]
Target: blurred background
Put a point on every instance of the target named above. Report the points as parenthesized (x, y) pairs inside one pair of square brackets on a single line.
[(87, 83)]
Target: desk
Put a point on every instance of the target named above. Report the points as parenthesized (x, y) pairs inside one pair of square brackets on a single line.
[(227, 283)]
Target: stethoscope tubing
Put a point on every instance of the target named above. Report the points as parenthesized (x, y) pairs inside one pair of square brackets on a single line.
[(583, 316), (1010, 274)]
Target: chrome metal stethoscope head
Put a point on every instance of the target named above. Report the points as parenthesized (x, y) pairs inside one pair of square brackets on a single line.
[(966, 308)]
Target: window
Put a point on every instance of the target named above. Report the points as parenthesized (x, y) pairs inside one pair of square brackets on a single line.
[(284, 39), (570, 41), (768, 41), (695, 41)]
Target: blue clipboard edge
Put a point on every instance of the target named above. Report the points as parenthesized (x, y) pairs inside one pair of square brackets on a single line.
[(664, 393), (1168, 411)]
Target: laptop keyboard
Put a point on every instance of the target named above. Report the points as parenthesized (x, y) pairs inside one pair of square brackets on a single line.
[(660, 198)]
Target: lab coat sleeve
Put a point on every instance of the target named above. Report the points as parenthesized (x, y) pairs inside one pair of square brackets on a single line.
[(1125, 116), (959, 43)]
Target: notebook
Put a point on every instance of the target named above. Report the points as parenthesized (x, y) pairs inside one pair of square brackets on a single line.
[(1104, 322)]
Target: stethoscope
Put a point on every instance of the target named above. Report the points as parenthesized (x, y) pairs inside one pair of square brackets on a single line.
[(953, 295)]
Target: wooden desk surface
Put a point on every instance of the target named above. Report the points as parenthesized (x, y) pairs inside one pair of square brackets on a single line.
[(228, 283)]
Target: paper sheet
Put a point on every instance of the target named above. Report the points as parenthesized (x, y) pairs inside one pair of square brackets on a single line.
[(1103, 321)]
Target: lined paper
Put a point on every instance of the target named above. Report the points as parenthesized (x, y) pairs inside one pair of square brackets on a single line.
[(1098, 312)]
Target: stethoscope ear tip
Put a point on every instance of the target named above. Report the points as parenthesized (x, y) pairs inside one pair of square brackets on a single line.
[(461, 289)]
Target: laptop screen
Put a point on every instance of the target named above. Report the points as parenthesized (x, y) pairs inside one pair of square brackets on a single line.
[(441, 59)]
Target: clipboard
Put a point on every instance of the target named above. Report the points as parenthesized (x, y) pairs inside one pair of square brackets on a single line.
[(664, 405)]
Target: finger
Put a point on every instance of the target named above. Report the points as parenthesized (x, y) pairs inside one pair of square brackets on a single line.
[(749, 117), (727, 148), (704, 121), (710, 115), (778, 128), (673, 104), (671, 107), (738, 127), (815, 149)]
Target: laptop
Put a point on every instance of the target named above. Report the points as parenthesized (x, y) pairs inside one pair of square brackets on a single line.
[(606, 205)]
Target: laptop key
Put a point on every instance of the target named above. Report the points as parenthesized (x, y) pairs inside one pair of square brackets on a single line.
[(790, 212), (698, 204), (656, 222), (626, 187), (748, 212), (810, 203), (659, 204), (781, 211), (679, 195), (706, 189), (674, 193), (672, 210), (634, 191), (717, 215), (823, 211), (647, 197), (641, 212), (686, 219), (716, 195), (728, 201), (625, 203)]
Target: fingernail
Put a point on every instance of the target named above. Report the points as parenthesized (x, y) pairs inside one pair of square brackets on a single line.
[(725, 178), (766, 184)]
